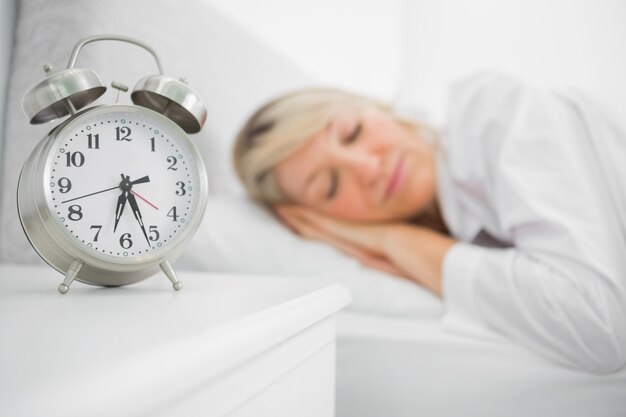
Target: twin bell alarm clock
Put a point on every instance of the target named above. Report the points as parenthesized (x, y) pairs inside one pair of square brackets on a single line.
[(113, 193)]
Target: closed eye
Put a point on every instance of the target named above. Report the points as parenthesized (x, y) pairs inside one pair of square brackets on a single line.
[(354, 135)]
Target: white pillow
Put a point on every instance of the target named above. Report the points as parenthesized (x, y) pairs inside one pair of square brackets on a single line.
[(240, 236), (225, 65)]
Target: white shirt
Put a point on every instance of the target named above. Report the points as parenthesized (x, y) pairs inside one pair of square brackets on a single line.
[(529, 182)]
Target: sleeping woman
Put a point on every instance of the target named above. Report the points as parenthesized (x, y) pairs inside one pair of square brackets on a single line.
[(514, 214)]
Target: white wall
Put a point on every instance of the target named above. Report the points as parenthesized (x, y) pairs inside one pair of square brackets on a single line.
[(353, 44), (411, 50), (555, 43)]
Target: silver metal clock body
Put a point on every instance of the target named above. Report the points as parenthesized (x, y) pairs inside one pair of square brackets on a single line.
[(69, 217)]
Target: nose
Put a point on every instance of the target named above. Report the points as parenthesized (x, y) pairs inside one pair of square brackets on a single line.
[(364, 166)]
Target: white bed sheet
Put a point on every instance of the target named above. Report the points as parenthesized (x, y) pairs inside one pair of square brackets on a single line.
[(413, 367)]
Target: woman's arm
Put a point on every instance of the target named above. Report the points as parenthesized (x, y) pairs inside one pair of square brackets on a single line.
[(520, 160), (552, 305)]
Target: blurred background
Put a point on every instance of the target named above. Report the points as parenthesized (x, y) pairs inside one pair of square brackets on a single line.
[(409, 51), (237, 54)]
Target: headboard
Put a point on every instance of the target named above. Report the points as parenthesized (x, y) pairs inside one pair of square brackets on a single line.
[(8, 17)]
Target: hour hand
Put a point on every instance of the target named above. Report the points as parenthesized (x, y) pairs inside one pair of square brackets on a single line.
[(133, 205), (141, 180), (121, 202)]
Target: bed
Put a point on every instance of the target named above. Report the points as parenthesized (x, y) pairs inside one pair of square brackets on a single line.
[(395, 355), (411, 366)]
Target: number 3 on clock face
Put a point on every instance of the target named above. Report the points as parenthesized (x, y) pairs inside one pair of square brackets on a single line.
[(123, 183)]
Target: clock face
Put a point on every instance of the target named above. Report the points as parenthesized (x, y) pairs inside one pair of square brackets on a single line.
[(123, 182)]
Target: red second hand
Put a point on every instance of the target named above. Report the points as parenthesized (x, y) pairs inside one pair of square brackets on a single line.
[(144, 199)]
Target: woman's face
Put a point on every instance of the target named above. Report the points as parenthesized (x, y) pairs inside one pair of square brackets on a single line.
[(363, 166)]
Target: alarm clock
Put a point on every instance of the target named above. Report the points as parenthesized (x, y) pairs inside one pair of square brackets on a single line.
[(111, 195)]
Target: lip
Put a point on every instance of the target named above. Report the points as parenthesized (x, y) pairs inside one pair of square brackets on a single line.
[(396, 180)]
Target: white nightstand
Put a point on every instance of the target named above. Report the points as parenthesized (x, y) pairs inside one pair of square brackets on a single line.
[(224, 345)]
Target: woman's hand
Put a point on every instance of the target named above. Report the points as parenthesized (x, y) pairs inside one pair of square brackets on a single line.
[(404, 250), (362, 241)]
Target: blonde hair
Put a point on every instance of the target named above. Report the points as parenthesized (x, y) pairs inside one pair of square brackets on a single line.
[(283, 125)]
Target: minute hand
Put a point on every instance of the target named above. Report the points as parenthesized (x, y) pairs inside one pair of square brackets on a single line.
[(90, 194), (133, 205)]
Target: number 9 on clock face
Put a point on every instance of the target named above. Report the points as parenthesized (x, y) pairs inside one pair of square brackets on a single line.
[(123, 182)]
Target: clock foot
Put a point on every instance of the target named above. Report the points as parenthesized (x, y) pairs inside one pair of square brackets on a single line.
[(169, 272), (72, 271)]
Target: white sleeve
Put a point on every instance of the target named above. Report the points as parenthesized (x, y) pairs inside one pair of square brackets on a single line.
[(566, 314), (560, 289)]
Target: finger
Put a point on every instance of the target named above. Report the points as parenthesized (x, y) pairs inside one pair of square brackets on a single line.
[(312, 217), (383, 265), (286, 216), (368, 259), (347, 248), (298, 220), (310, 232), (296, 212), (366, 236), (292, 225), (363, 256)]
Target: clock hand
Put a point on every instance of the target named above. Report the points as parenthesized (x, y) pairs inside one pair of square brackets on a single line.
[(121, 200), (141, 180), (87, 195), (137, 181), (137, 194), (133, 205)]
